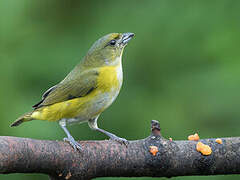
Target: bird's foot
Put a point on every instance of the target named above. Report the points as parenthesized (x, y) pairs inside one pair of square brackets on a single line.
[(73, 143), (119, 140)]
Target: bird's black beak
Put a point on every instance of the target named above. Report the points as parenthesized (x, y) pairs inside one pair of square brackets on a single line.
[(126, 37)]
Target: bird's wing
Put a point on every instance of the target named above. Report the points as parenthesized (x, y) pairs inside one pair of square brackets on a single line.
[(70, 88)]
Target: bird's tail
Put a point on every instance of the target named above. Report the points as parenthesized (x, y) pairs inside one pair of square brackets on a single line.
[(23, 118)]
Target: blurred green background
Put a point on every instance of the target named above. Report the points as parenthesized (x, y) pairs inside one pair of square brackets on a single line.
[(182, 68)]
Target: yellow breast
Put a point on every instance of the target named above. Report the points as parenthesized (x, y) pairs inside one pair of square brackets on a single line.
[(110, 78)]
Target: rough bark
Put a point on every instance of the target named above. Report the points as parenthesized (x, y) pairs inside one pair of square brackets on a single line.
[(111, 159)]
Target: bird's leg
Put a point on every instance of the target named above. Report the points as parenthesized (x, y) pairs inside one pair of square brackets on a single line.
[(113, 136), (93, 125), (69, 138)]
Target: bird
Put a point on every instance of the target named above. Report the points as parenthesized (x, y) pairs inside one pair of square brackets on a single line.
[(90, 88)]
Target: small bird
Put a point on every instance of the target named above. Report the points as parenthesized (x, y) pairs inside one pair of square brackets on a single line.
[(86, 91)]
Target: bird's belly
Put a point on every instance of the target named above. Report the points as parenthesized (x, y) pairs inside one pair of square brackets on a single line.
[(104, 100), (94, 106)]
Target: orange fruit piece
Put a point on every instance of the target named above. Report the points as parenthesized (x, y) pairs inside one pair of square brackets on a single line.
[(218, 140), (203, 148), (153, 150), (193, 137)]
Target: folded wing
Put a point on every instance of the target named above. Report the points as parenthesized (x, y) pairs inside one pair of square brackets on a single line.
[(70, 88)]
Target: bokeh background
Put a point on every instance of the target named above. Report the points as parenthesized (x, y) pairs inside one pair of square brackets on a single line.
[(182, 68)]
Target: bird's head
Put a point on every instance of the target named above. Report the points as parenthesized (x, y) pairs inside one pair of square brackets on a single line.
[(108, 49)]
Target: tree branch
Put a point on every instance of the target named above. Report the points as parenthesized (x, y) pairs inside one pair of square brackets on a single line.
[(111, 159)]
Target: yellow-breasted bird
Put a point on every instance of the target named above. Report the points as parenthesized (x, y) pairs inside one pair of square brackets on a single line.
[(87, 90)]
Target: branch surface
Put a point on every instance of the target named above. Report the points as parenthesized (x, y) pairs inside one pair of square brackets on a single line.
[(111, 159)]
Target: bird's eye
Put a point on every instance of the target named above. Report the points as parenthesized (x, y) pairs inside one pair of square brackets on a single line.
[(112, 42)]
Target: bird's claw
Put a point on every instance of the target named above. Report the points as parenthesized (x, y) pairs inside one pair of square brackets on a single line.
[(73, 143), (120, 140)]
